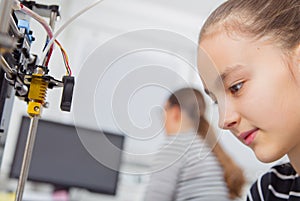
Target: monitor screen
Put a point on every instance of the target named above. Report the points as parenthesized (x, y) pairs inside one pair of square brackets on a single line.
[(59, 157)]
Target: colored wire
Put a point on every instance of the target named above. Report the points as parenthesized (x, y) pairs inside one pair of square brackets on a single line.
[(66, 58), (66, 24), (44, 24), (49, 33)]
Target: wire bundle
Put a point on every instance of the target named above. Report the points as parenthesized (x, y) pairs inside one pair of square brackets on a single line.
[(49, 48), (48, 29)]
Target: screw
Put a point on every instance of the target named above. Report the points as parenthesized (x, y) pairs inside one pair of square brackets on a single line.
[(36, 108), (46, 105)]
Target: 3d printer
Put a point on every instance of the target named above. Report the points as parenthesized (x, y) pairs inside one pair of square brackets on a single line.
[(23, 74)]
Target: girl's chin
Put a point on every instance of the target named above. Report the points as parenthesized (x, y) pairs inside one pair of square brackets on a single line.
[(267, 156)]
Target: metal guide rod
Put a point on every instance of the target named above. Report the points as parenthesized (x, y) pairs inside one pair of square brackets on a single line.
[(7, 69), (53, 16), (5, 10), (27, 157), (6, 42), (15, 28)]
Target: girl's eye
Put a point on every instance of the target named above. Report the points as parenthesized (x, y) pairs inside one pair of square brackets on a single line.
[(236, 88)]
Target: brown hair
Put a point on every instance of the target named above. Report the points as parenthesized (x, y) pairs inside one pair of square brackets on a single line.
[(192, 102), (279, 20)]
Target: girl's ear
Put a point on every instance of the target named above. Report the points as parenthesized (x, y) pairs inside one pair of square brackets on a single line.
[(176, 113)]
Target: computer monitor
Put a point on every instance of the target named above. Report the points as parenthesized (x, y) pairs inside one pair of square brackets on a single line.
[(59, 157)]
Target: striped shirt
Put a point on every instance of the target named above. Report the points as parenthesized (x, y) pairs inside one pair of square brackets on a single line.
[(186, 169), (281, 183)]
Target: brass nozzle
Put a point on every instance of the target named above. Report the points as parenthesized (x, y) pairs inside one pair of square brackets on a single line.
[(37, 94)]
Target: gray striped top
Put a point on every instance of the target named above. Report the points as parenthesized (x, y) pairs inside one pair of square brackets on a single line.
[(186, 169)]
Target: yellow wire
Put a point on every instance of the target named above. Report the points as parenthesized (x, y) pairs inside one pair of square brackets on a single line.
[(66, 58)]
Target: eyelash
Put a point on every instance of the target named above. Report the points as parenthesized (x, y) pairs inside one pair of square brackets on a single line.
[(234, 89)]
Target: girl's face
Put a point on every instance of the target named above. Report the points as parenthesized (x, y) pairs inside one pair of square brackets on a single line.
[(167, 123), (257, 90), (171, 119)]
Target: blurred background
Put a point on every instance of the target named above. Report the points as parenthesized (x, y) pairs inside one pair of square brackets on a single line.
[(126, 56)]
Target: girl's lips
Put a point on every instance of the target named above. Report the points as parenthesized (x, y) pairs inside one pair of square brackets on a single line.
[(248, 136)]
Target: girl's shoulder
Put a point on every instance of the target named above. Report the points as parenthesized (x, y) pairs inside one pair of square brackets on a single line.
[(281, 172), (285, 169), (277, 183)]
